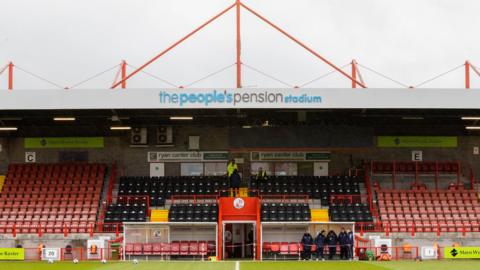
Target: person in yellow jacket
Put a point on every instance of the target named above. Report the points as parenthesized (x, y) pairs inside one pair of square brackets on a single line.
[(262, 174), (231, 167)]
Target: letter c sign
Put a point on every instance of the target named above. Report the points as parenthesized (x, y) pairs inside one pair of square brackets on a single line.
[(30, 157)]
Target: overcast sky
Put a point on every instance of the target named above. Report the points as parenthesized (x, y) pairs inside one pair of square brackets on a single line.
[(67, 41)]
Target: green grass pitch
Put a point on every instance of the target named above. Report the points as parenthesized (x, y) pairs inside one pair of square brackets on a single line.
[(398, 265)]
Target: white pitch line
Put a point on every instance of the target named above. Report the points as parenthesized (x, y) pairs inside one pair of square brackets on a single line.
[(237, 265)]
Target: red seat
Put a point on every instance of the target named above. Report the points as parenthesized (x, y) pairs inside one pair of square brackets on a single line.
[(137, 249), (184, 248), (147, 249), (129, 249)]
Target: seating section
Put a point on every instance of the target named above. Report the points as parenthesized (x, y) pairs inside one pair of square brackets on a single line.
[(315, 187), (51, 197), (409, 167), (351, 212), (118, 212), (176, 248), (429, 210), (285, 212), (283, 249), (162, 188), (199, 212)]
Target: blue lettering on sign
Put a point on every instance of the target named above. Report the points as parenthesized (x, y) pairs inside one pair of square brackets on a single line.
[(231, 98)]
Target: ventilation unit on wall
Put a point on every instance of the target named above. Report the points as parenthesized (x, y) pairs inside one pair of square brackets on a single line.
[(139, 136), (193, 142), (164, 136)]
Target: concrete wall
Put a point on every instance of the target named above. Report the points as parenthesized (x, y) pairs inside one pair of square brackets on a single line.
[(133, 161)]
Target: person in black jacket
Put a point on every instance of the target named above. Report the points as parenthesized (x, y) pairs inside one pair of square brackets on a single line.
[(319, 242), (307, 243), (332, 244), (235, 181), (342, 239), (350, 241)]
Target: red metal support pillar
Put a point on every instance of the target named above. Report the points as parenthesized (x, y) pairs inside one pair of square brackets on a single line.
[(239, 45), (124, 74), (354, 74), (467, 75), (301, 44), (10, 76), (174, 45)]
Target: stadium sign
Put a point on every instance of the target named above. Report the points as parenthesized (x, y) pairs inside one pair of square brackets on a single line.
[(462, 253), (186, 156), (418, 141), (12, 254), (290, 156), (64, 142), (242, 98)]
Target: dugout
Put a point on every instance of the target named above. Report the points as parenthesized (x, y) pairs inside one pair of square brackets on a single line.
[(281, 240), (170, 240)]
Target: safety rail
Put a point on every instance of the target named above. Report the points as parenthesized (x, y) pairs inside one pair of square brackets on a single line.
[(285, 198), (368, 227), (193, 198), (64, 228), (416, 169)]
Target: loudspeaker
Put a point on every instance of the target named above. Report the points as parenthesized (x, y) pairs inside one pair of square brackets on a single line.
[(164, 135), (139, 136)]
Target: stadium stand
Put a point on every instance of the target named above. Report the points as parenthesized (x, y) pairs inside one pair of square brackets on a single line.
[(118, 212), (320, 187), (162, 188), (356, 212), (51, 197), (285, 212), (409, 167), (452, 210), (198, 212)]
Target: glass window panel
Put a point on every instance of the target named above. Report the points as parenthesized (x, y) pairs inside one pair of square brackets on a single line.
[(191, 169)]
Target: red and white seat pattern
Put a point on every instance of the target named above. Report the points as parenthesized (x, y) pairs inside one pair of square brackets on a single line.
[(429, 210), (51, 197)]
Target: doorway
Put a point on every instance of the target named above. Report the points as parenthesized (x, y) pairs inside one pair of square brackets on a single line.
[(238, 240)]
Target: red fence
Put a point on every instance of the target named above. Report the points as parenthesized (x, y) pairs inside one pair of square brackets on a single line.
[(417, 169)]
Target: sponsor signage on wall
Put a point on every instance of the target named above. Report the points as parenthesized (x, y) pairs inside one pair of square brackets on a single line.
[(64, 142), (12, 254), (417, 141), (51, 254), (187, 156), (462, 253), (232, 98), (290, 156)]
